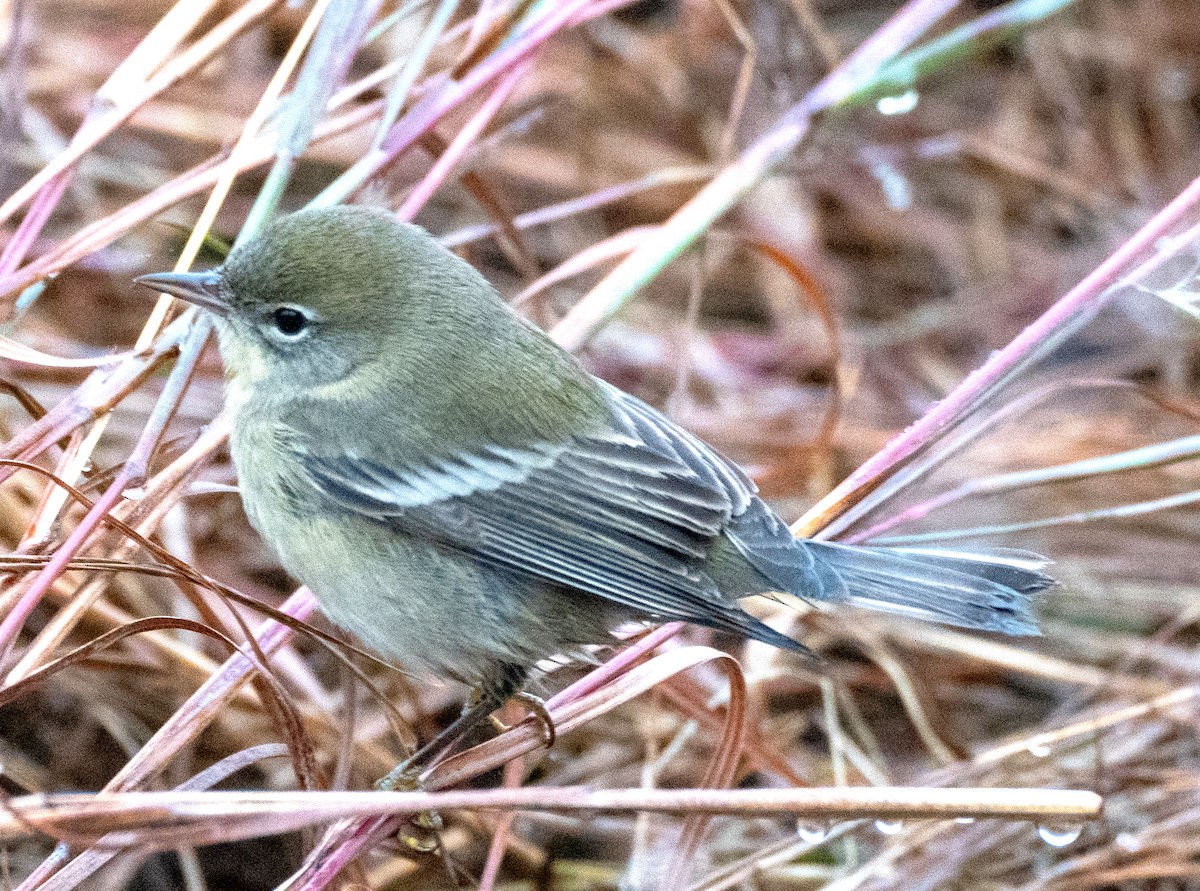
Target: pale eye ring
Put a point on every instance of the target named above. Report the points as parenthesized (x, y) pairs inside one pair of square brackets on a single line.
[(289, 321)]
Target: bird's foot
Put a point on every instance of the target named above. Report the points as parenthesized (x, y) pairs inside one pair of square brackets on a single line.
[(538, 711), (404, 777), (420, 834)]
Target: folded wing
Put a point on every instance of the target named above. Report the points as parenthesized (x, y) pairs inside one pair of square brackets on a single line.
[(627, 513)]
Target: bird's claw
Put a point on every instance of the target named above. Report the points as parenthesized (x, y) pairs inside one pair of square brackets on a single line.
[(421, 834), (537, 710), (404, 777)]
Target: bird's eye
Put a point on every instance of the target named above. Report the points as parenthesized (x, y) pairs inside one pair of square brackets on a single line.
[(289, 321)]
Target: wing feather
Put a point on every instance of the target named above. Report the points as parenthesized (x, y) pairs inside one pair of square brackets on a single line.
[(626, 512)]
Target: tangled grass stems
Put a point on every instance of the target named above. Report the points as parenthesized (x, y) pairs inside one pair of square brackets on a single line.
[(452, 99)]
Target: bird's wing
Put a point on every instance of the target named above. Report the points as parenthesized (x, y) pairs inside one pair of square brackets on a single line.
[(626, 513)]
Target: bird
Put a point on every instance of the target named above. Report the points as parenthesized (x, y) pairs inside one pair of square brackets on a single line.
[(462, 495)]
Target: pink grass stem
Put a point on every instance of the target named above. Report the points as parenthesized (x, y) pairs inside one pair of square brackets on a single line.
[(98, 126), (98, 391), (347, 840), (462, 143), (97, 235), (129, 75), (616, 666), (63, 555), (203, 706), (591, 201), (251, 813), (514, 772), (1002, 415), (445, 94), (734, 181), (1086, 296), (201, 709), (908, 515), (131, 473), (31, 226)]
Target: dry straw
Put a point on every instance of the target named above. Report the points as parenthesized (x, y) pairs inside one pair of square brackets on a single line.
[(103, 592)]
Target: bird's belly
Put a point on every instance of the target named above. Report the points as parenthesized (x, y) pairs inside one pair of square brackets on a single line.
[(432, 608), (410, 600)]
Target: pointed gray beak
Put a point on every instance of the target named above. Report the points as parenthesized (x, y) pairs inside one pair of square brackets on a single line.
[(200, 288)]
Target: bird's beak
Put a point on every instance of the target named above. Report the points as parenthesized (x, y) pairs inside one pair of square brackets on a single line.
[(200, 288)]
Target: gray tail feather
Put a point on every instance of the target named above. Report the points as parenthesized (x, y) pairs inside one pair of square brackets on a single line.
[(987, 590)]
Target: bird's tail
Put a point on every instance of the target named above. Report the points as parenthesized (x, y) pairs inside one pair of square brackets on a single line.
[(988, 591)]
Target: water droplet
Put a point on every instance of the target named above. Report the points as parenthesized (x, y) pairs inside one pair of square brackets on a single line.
[(900, 104), (889, 827), (1059, 835), (1038, 749), (965, 821), (134, 493), (813, 833), (29, 295), (1128, 842), (896, 189)]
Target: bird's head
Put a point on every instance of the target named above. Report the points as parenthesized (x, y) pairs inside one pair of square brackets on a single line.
[(321, 293)]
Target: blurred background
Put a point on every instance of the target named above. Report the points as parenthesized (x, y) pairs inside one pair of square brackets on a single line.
[(904, 241)]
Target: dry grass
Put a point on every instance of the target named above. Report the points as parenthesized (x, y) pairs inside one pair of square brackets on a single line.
[(798, 277)]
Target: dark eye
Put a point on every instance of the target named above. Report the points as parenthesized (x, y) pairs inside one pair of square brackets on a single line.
[(289, 321)]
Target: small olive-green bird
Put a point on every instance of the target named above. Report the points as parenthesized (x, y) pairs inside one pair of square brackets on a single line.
[(458, 492)]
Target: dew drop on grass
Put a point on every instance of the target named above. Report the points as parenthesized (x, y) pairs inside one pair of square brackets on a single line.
[(1059, 835), (964, 821), (899, 104), (813, 833), (1128, 842), (1038, 749), (889, 827)]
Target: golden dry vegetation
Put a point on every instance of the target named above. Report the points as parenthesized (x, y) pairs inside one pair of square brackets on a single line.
[(795, 272)]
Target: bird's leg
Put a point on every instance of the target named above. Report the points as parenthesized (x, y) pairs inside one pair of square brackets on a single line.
[(406, 775), (423, 833)]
